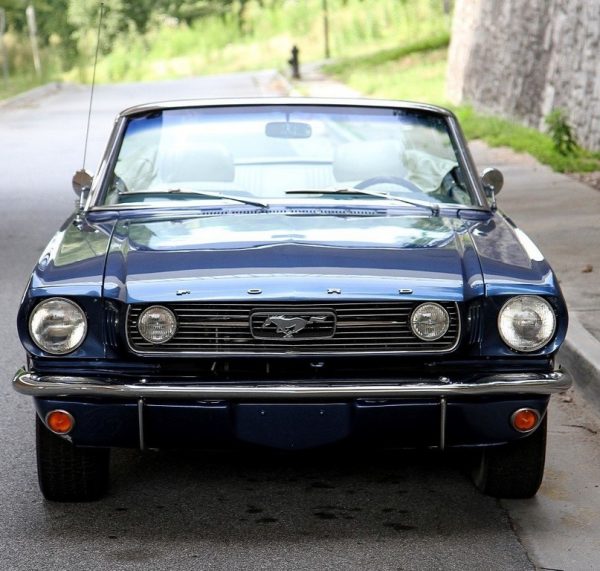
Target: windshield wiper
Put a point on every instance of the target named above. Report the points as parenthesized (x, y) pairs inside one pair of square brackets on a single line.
[(433, 206), (180, 192)]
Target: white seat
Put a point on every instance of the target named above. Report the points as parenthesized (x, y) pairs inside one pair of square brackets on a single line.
[(198, 162)]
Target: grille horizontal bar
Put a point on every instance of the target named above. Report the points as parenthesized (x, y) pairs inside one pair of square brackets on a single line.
[(339, 328)]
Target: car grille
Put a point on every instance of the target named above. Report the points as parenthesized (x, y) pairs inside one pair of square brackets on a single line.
[(334, 329)]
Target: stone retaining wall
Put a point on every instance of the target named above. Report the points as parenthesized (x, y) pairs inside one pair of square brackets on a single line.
[(523, 58)]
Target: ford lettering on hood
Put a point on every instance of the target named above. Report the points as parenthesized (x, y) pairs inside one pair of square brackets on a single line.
[(300, 254)]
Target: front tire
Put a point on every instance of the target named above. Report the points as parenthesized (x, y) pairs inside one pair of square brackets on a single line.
[(68, 473), (514, 470)]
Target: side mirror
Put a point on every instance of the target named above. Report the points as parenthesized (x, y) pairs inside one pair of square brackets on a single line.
[(492, 180), (82, 182)]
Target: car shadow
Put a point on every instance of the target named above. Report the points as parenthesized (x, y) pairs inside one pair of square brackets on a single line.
[(262, 495)]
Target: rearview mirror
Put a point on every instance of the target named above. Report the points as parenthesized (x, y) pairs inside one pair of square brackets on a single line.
[(288, 130), (82, 182), (492, 180)]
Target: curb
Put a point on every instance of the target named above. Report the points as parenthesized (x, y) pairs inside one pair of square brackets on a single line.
[(32, 94), (580, 355)]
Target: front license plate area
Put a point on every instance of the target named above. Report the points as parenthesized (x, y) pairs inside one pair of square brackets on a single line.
[(292, 426)]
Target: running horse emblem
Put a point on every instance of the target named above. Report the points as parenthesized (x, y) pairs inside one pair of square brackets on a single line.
[(289, 326)]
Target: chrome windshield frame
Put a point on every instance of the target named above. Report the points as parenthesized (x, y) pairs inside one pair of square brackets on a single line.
[(108, 161)]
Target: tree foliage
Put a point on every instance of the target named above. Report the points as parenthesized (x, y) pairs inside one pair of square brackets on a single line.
[(64, 18), (51, 17), (83, 17), (73, 18), (67, 28)]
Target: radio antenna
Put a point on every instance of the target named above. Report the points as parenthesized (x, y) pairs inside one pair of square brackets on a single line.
[(87, 129)]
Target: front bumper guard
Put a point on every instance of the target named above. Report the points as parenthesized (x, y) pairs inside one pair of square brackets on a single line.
[(49, 386)]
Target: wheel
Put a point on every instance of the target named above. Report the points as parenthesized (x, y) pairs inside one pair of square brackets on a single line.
[(68, 473), (513, 470)]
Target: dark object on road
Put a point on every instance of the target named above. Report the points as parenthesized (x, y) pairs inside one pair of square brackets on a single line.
[(294, 62), (220, 286)]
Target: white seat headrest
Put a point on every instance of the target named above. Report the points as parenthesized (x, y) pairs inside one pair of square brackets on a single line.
[(198, 162), (361, 160)]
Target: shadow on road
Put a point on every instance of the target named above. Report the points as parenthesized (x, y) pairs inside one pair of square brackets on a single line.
[(264, 495)]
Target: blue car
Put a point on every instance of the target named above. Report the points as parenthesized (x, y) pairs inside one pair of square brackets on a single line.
[(290, 273)]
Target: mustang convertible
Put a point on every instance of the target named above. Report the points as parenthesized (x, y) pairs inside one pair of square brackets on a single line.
[(290, 273)]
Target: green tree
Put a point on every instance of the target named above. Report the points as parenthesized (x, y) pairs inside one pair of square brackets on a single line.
[(83, 15), (15, 14)]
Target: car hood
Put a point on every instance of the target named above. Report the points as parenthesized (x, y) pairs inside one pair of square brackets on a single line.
[(277, 256), (290, 257)]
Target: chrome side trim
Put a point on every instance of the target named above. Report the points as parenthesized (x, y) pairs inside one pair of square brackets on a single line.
[(66, 386)]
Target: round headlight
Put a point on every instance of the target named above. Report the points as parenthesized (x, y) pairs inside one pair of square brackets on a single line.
[(429, 321), (58, 326), (157, 324), (526, 322)]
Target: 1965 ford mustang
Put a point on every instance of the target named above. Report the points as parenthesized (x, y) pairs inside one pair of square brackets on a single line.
[(290, 273)]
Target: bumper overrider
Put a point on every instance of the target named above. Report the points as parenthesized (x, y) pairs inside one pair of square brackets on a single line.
[(435, 413)]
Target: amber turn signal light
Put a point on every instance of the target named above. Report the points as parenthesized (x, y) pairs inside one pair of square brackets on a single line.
[(60, 421), (525, 419)]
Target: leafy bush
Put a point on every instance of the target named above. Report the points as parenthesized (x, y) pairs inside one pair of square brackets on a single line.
[(561, 132)]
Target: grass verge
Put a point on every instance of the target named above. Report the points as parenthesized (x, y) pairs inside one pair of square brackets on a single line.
[(499, 132), (416, 72)]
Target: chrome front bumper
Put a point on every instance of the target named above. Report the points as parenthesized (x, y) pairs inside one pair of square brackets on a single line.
[(503, 384)]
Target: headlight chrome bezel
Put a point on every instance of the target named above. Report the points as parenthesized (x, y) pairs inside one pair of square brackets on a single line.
[(168, 312), (414, 327), (524, 347), (46, 347)]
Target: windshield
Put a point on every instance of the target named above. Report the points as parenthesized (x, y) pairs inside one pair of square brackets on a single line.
[(264, 152)]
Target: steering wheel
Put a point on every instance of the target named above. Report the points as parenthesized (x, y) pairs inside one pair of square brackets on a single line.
[(397, 180)]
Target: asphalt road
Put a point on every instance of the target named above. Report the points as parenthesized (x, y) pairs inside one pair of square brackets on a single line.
[(170, 510)]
